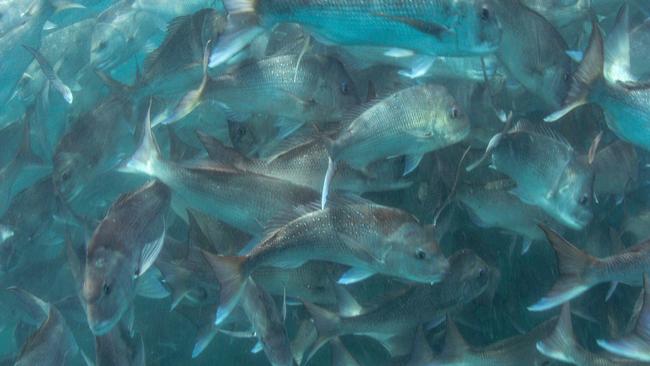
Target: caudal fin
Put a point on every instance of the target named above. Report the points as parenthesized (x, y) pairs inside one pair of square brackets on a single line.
[(589, 71), (327, 326), (573, 265), (229, 272), (561, 343), (147, 155), (242, 28), (635, 345)]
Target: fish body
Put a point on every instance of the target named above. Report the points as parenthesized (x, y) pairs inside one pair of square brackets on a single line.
[(122, 248), (315, 89), (119, 347), (616, 169), (445, 28)]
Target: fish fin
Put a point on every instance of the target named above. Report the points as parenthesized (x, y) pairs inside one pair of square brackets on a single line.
[(327, 327), (60, 5), (432, 28), (286, 127), (572, 263), (340, 354), (635, 345), (329, 175), (360, 250), (242, 27), (589, 71), (575, 55), (593, 148), (421, 353), (248, 247), (150, 252), (147, 154), (228, 270), (354, 275), (398, 53), (525, 245), (561, 344), (494, 142), (203, 338), (541, 130), (617, 49), (258, 347), (30, 301), (50, 74), (348, 305), (25, 153), (150, 285), (398, 344), (419, 67), (411, 162), (221, 153), (172, 28), (178, 149), (610, 291)]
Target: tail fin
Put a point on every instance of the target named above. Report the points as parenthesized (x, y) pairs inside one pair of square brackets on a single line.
[(617, 49), (589, 71), (635, 345), (327, 327), (560, 344), (148, 153), (455, 346), (340, 354), (421, 354), (242, 27), (229, 272), (573, 264)]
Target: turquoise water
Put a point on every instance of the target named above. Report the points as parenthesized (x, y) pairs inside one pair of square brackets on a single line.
[(483, 162)]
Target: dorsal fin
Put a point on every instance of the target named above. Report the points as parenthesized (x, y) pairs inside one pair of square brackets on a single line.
[(173, 27), (455, 344), (221, 153), (617, 49), (286, 216)]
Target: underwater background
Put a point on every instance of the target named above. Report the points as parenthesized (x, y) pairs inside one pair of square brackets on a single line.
[(326, 182)]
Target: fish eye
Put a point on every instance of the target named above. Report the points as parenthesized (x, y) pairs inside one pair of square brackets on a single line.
[(583, 200), (566, 76), (455, 112), (420, 254), (345, 88), (65, 176), (106, 288), (485, 13), (101, 46)]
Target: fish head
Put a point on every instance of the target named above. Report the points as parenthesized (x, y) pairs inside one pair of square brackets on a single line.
[(108, 289), (68, 175), (573, 197), (335, 92), (413, 253), (469, 274), (477, 27), (447, 118), (106, 44)]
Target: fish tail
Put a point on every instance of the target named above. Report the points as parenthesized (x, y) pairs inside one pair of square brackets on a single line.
[(230, 274), (25, 153), (573, 263), (635, 345), (327, 326), (454, 347), (561, 343), (147, 154), (589, 71), (242, 28)]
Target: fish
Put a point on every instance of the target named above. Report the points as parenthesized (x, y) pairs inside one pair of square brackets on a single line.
[(467, 278), (616, 170), (53, 343), (266, 322), (446, 28), (369, 237), (318, 90), (579, 271), (410, 122), (548, 172), (533, 52), (302, 162), (603, 79), (562, 345), (122, 248), (456, 350), (242, 200), (51, 75), (492, 205)]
